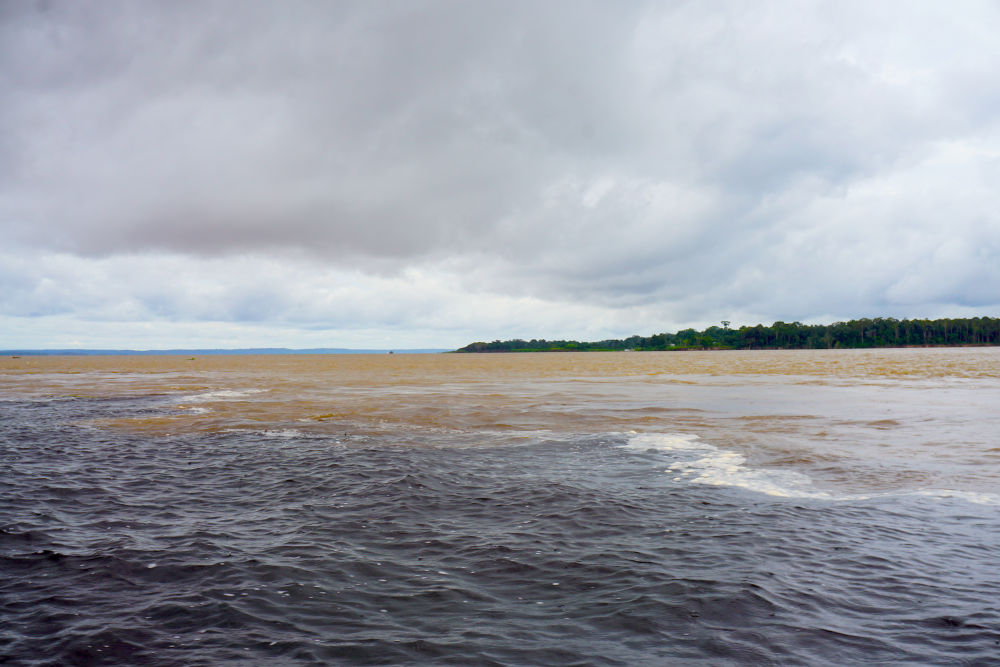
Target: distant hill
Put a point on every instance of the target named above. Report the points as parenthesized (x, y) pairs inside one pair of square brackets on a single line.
[(192, 352)]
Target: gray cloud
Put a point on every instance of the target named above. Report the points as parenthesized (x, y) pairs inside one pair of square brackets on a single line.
[(667, 164), (386, 132)]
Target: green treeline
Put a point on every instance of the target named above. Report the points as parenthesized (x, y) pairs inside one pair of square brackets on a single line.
[(877, 332)]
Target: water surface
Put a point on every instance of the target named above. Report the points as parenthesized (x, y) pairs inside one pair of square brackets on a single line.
[(796, 507)]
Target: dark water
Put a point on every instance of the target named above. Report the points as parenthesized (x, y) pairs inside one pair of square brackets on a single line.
[(243, 548)]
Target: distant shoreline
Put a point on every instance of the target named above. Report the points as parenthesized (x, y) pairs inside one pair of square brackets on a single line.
[(211, 352), (725, 349), (865, 333)]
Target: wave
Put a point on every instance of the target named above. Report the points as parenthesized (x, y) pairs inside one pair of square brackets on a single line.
[(219, 395), (707, 464), (279, 433), (704, 463), (968, 496)]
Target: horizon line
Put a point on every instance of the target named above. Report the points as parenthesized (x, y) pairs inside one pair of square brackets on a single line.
[(217, 350)]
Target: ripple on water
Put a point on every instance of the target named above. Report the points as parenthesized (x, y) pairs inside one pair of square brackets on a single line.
[(246, 548)]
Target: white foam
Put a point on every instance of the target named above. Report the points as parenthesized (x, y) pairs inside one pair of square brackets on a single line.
[(726, 468), (704, 463), (281, 433), (220, 395), (967, 496), (667, 442), (708, 464)]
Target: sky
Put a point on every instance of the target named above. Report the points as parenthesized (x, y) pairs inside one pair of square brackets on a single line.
[(407, 174)]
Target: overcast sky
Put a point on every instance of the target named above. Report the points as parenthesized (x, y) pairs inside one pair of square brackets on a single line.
[(426, 174)]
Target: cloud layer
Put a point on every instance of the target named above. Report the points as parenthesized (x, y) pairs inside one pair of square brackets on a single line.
[(431, 172)]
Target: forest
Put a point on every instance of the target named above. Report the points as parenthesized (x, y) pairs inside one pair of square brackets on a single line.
[(861, 333)]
